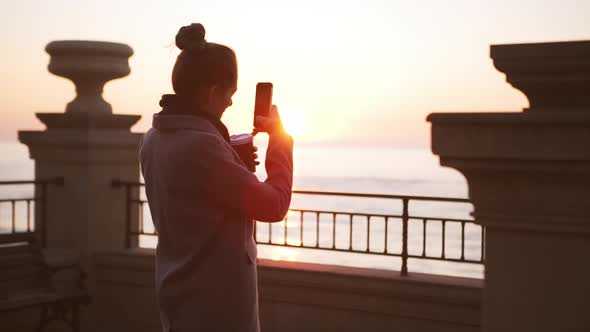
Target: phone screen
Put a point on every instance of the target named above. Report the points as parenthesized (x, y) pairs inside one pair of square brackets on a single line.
[(263, 99)]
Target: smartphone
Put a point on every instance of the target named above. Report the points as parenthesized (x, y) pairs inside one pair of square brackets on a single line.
[(263, 99)]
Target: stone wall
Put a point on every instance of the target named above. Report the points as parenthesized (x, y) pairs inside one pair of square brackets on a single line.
[(301, 297)]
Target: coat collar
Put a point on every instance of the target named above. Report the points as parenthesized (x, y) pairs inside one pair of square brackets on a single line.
[(173, 122), (176, 122), (178, 114)]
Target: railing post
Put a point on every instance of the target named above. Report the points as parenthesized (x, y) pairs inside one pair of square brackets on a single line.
[(43, 222), (116, 183), (128, 216), (405, 217)]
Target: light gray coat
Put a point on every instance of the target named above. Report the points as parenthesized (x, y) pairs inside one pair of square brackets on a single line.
[(203, 201)]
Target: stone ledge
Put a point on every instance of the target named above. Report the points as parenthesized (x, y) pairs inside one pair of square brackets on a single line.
[(417, 299), (511, 117), (143, 259), (383, 275), (88, 121), (545, 139)]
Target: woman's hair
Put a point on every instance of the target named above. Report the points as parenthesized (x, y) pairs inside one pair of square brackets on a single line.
[(201, 64)]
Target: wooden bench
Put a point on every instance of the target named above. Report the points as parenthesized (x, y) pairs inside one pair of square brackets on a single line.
[(26, 281)]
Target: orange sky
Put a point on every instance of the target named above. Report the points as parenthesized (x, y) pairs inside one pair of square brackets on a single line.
[(361, 72)]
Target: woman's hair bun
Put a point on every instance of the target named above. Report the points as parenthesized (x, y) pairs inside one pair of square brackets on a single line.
[(191, 37)]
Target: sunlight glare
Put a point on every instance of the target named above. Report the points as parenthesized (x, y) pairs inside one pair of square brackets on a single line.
[(294, 123)]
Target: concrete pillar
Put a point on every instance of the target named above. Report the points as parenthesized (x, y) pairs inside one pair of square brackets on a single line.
[(89, 146), (529, 180)]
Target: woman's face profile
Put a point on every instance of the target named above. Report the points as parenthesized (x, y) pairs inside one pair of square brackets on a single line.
[(222, 98)]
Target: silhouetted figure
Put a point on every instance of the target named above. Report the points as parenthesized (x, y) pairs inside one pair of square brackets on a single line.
[(203, 198)]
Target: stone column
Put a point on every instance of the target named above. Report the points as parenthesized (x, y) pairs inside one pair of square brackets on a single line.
[(529, 179), (89, 146)]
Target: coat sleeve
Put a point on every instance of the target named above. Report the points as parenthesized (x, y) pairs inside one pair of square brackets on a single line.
[(231, 185)]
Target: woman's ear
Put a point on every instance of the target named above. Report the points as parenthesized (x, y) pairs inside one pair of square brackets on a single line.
[(212, 94)]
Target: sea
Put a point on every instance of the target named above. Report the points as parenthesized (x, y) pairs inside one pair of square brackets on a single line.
[(337, 168)]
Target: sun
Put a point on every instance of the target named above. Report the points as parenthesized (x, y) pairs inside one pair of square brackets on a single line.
[(294, 123)]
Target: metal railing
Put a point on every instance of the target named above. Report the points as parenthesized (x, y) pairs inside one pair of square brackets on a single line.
[(346, 222), (33, 207), (404, 219)]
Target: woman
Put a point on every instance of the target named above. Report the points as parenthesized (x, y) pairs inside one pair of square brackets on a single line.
[(202, 197)]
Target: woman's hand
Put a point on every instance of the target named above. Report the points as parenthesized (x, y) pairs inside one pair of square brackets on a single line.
[(252, 160), (249, 156), (269, 124)]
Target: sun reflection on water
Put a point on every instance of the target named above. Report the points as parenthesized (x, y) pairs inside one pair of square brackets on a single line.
[(283, 254)]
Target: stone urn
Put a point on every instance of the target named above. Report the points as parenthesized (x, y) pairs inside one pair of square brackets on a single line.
[(89, 65)]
